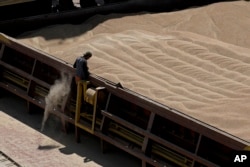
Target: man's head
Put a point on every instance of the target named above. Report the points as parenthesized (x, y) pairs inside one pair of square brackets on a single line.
[(87, 55)]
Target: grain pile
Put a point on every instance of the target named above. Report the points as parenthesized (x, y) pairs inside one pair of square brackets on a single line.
[(196, 60)]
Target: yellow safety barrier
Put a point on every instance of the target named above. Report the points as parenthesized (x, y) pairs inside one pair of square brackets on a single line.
[(89, 96)]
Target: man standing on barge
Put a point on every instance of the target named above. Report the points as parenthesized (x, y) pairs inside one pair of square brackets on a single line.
[(81, 66)]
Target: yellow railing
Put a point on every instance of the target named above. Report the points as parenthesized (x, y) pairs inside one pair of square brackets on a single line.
[(89, 96)]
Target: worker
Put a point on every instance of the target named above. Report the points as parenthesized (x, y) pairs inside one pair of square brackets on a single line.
[(81, 66)]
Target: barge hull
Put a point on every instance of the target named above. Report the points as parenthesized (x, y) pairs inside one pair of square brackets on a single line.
[(148, 130)]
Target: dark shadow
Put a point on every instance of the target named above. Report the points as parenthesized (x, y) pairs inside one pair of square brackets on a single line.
[(47, 147), (77, 16), (89, 148)]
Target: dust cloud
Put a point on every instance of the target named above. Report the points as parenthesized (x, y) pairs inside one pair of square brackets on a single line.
[(57, 96)]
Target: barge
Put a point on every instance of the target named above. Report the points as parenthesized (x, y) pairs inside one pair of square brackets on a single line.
[(152, 132)]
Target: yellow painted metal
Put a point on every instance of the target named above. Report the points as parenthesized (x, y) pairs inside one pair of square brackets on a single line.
[(88, 96), (90, 118), (15, 78), (41, 91), (78, 102), (4, 39), (156, 148), (84, 127), (171, 156), (247, 148), (125, 133)]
